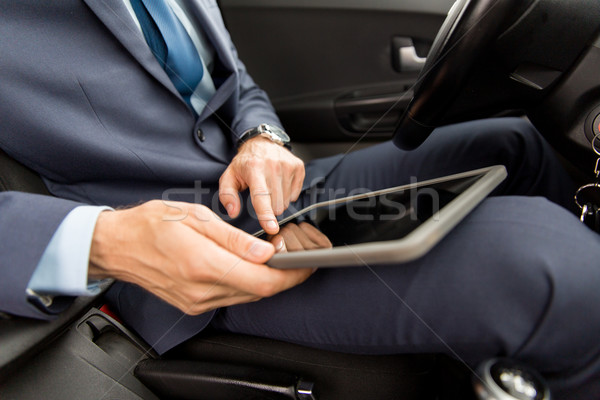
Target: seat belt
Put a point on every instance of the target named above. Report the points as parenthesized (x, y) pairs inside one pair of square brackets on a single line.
[(15, 176)]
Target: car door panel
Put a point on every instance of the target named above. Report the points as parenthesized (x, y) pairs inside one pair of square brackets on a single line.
[(333, 68)]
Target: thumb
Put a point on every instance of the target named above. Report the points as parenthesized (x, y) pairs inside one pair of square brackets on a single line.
[(229, 188), (241, 243), (232, 239)]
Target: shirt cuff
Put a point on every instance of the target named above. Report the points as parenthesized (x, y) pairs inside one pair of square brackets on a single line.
[(63, 268)]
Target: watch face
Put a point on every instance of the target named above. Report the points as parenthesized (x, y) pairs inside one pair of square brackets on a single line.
[(276, 133)]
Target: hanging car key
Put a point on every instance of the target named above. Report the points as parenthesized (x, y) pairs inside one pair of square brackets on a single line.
[(588, 200), (587, 196)]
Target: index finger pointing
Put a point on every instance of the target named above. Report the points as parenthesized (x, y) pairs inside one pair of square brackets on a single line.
[(228, 193), (261, 200)]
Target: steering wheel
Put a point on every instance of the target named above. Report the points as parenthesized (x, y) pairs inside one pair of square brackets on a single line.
[(468, 31)]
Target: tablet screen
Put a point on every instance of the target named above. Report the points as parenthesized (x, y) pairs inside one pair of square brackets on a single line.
[(381, 217)]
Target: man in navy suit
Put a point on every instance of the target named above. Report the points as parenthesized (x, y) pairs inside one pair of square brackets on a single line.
[(89, 104)]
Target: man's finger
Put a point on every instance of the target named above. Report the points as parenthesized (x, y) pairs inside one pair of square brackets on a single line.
[(229, 237), (297, 239), (261, 200), (264, 281), (279, 243), (287, 188), (278, 196), (229, 188), (239, 274), (296, 187), (292, 240), (315, 235)]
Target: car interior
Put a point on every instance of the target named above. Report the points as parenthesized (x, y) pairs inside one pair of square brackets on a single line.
[(342, 75)]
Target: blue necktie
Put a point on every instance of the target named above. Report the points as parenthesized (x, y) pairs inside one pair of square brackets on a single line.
[(170, 44)]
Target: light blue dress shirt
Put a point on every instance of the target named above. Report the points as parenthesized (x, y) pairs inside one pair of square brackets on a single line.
[(63, 268)]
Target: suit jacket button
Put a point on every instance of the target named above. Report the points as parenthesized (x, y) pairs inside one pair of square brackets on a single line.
[(200, 135)]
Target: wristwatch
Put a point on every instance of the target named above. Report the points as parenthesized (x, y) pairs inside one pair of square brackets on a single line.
[(270, 132)]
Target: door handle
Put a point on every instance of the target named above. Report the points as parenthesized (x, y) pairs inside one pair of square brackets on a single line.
[(410, 61), (404, 55), (375, 115)]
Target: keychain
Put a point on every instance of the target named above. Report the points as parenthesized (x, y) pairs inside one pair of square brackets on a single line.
[(587, 196)]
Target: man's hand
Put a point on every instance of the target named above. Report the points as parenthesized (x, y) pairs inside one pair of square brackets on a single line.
[(294, 237), (273, 175), (186, 255)]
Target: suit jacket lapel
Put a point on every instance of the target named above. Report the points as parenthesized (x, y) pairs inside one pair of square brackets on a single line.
[(117, 19), (115, 16)]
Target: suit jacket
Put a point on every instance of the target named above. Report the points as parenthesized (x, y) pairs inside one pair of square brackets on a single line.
[(86, 105)]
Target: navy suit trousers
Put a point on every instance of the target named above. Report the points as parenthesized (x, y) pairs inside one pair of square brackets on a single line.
[(519, 277)]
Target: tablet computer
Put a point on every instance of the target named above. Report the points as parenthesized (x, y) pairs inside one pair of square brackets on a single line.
[(392, 225)]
